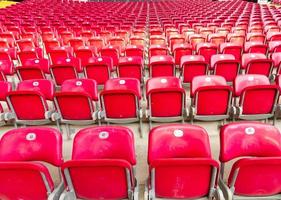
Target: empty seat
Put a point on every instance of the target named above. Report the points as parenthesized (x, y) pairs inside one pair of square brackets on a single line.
[(180, 50), (206, 50), (165, 100), (99, 69), (98, 172), (192, 66), (31, 94), (64, 69), (232, 48), (120, 101), (161, 66), (182, 153), (257, 97), (134, 50), (255, 47), (23, 173), (256, 63), (84, 54), (225, 65), (256, 148), (59, 53), (130, 67), (111, 52), (155, 50), (211, 98)]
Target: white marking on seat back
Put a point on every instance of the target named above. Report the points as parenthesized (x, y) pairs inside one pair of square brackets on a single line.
[(250, 131), (178, 133), (103, 135), (30, 136)]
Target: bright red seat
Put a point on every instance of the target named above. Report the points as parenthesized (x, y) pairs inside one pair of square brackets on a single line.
[(165, 100), (155, 50), (206, 50), (255, 47), (182, 153), (256, 148), (163, 65), (111, 52), (211, 98), (192, 66), (98, 172), (31, 94), (82, 92), (120, 101), (180, 50), (257, 63), (232, 48), (225, 65), (99, 69), (64, 69), (130, 67), (257, 97), (23, 173), (84, 54)]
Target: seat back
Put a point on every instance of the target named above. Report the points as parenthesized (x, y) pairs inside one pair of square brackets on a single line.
[(61, 73), (22, 102), (81, 85), (5, 87), (84, 54), (213, 100), (21, 178), (260, 66), (99, 69), (46, 87), (259, 175), (107, 170), (130, 67), (166, 97), (112, 53), (180, 51), (66, 105), (119, 92), (29, 73), (161, 66), (183, 153), (206, 51), (260, 99), (228, 69)]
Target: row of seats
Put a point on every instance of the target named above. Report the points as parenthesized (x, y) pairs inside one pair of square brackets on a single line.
[(70, 51), (103, 167), (78, 102)]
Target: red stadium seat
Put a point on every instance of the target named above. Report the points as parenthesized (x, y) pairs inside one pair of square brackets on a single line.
[(118, 92), (82, 92), (64, 69), (192, 66), (180, 50), (31, 94), (161, 66), (225, 65), (206, 50), (23, 154), (257, 63), (165, 100), (108, 171), (256, 170), (211, 98), (99, 69), (130, 67), (182, 153), (257, 101)]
